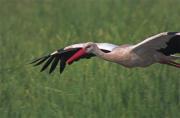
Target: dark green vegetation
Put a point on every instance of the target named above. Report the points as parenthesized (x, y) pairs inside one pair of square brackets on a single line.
[(89, 88)]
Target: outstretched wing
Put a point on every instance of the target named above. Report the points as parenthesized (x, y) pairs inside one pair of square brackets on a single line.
[(167, 43), (62, 55)]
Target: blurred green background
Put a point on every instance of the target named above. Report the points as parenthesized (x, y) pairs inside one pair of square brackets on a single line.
[(89, 88)]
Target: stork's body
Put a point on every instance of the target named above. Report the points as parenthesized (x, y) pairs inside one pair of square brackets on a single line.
[(156, 49), (125, 56)]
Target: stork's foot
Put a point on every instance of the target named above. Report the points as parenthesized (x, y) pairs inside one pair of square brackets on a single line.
[(171, 63)]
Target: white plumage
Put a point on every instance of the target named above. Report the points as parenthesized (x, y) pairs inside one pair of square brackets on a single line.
[(105, 46)]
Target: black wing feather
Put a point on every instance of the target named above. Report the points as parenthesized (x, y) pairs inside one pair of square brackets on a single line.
[(62, 66), (41, 61), (38, 59), (54, 64), (173, 46), (62, 56), (47, 63)]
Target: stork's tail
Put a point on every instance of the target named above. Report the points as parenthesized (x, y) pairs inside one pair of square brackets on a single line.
[(171, 63), (175, 57)]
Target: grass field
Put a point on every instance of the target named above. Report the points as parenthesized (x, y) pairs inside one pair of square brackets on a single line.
[(89, 88)]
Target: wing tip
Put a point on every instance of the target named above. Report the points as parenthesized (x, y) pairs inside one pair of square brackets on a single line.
[(54, 64), (50, 59), (39, 60)]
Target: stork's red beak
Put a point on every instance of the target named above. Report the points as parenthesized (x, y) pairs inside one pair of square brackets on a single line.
[(76, 56)]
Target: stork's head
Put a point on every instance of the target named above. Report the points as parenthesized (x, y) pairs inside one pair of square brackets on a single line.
[(87, 48), (90, 47)]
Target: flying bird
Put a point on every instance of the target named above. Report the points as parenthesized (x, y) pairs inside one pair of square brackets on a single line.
[(160, 48)]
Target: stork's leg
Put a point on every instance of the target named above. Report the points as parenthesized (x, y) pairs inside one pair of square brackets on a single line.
[(171, 63)]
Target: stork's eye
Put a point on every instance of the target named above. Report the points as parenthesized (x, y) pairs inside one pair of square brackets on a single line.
[(88, 46)]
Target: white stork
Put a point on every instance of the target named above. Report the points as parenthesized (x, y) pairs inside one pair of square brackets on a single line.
[(160, 48)]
